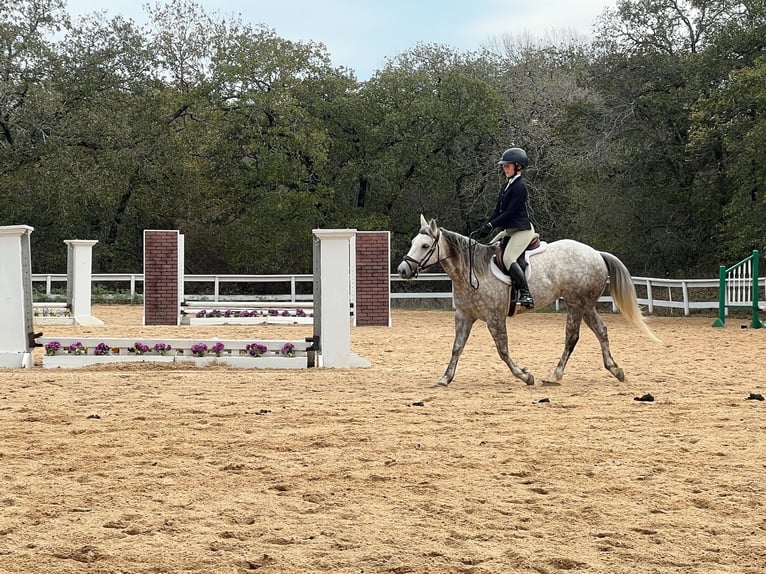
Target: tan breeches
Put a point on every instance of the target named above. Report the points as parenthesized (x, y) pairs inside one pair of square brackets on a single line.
[(518, 242)]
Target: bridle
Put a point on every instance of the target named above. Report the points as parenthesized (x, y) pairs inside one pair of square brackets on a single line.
[(420, 265)]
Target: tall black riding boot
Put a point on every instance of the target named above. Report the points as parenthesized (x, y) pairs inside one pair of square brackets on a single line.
[(518, 277)]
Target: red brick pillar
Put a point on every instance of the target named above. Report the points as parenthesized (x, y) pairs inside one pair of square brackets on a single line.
[(373, 279), (163, 277)]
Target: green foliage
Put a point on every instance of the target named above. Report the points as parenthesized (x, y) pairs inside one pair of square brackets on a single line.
[(433, 137), (730, 131), (647, 142)]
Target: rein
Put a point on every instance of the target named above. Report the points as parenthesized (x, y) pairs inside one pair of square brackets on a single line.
[(417, 266), (472, 243)]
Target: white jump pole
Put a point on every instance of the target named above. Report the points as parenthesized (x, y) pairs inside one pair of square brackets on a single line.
[(79, 275), (15, 296), (331, 311)]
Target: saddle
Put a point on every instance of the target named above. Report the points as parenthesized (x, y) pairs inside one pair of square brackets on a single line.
[(522, 261)]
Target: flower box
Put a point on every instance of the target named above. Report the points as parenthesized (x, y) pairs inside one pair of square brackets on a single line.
[(247, 362), (72, 361), (262, 320), (272, 354)]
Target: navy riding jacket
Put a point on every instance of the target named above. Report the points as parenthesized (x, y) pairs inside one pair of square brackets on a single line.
[(511, 209)]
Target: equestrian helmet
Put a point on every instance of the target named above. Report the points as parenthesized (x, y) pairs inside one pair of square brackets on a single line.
[(514, 155)]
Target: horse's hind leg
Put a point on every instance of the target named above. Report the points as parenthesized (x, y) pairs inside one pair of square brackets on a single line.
[(463, 326), (499, 333), (574, 320), (593, 320)]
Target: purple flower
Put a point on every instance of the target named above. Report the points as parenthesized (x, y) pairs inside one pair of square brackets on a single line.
[(102, 349), (139, 348), (199, 349), (162, 348), (52, 348), (288, 350), (255, 349), (217, 349), (78, 348), (201, 314)]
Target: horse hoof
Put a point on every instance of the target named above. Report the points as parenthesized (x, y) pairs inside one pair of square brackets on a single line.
[(530, 380), (620, 374), (442, 384)]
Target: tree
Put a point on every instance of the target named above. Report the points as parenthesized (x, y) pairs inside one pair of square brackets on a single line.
[(116, 151), (432, 141), (541, 85), (263, 148), (28, 108), (647, 73), (735, 121)]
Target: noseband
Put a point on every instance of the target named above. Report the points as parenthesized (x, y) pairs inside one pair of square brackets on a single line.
[(420, 265)]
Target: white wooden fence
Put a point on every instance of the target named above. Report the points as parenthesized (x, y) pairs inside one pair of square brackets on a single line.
[(682, 294)]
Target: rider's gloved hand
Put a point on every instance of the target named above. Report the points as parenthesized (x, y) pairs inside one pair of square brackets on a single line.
[(486, 228)]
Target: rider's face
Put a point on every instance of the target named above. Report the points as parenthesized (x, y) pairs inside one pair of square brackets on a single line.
[(509, 169)]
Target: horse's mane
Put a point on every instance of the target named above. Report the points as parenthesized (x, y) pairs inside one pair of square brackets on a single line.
[(460, 248)]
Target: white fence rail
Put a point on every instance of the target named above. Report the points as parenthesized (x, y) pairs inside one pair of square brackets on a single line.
[(685, 294)]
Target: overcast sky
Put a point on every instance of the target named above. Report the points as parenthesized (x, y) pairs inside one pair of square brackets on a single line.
[(362, 34)]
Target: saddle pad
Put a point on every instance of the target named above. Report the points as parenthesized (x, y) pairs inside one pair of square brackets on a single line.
[(497, 272), (536, 251)]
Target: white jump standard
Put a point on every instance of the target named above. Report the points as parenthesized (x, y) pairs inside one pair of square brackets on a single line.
[(16, 336), (77, 309)]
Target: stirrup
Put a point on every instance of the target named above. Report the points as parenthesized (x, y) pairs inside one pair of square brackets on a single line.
[(526, 300)]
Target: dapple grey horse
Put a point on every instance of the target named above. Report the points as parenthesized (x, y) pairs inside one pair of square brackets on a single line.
[(565, 269)]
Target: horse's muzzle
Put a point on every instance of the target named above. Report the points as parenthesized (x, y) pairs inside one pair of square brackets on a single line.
[(405, 270)]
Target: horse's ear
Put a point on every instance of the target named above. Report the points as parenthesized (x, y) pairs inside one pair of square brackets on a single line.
[(434, 227), (423, 222)]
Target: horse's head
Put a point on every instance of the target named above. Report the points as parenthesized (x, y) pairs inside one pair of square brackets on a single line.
[(423, 252)]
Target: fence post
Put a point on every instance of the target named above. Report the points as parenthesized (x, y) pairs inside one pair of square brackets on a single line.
[(756, 322), (721, 321)]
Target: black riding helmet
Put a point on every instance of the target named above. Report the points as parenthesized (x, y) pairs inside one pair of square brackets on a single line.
[(514, 155)]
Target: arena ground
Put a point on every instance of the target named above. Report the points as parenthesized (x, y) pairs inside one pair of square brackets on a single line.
[(156, 469)]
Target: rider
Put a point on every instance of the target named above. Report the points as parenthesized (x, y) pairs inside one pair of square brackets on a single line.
[(511, 214)]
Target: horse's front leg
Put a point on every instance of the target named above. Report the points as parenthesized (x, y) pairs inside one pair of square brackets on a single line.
[(463, 326), (497, 329)]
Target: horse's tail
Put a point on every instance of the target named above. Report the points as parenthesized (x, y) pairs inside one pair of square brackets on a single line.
[(624, 294)]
